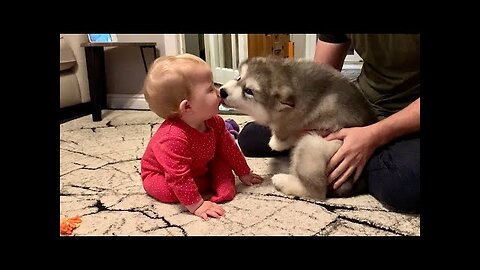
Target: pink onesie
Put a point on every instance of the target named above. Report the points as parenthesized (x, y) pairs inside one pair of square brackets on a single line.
[(181, 163)]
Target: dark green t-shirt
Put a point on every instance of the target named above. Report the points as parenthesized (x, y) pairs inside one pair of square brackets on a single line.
[(390, 76)]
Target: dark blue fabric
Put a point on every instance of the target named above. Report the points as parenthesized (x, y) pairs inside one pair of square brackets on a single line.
[(253, 141), (393, 172)]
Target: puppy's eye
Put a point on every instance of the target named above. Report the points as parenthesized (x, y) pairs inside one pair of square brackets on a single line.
[(237, 79), (248, 91)]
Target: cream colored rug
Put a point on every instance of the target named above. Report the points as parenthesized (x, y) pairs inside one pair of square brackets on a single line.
[(100, 182)]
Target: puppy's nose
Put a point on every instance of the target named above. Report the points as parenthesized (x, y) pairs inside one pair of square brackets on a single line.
[(223, 93)]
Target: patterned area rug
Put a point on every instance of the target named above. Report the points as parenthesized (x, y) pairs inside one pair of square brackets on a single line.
[(100, 182)]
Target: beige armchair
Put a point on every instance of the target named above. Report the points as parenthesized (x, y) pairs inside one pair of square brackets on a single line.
[(74, 88)]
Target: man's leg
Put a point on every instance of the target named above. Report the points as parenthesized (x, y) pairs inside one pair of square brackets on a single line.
[(393, 174), (253, 141)]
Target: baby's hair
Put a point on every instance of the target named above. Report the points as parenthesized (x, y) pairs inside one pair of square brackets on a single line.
[(167, 83)]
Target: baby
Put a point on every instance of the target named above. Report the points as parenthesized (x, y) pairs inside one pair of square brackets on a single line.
[(192, 153)]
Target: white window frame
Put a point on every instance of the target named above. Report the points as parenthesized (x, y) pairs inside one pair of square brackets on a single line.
[(353, 61)]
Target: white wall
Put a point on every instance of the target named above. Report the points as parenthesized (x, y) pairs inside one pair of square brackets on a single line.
[(191, 44), (124, 67), (125, 71), (299, 45)]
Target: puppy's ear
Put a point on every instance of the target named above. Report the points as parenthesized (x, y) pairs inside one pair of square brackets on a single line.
[(286, 103), (285, 99)]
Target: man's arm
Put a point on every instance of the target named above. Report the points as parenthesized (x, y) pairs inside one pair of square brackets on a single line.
[(403, 122), (359, 143), (331, 53)]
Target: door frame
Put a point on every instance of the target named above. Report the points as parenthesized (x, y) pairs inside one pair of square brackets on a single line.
[(214, 54), (221, 74)]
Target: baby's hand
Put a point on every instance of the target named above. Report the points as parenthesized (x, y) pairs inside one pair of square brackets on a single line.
[(251, 178), (209, 208)]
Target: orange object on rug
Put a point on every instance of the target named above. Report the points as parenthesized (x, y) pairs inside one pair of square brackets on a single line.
[(67, 225)]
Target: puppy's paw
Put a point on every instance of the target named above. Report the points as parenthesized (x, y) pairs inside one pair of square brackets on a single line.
[(289, 184), (278, 145), (280, 180)]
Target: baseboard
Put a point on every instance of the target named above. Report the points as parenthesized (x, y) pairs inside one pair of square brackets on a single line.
[(75, 111), (127, 101)]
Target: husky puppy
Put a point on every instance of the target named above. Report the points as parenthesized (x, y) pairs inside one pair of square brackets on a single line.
[(298, 100)]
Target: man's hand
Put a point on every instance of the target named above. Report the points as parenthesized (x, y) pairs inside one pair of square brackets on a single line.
[(359, 143), (251, 178)]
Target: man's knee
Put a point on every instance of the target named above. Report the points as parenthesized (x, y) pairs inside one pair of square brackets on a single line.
[(398, 187), (394, 176), (252, 138), (406, 200), (253, 141)]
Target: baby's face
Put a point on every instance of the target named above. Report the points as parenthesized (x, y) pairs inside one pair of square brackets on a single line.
[(205, 98)]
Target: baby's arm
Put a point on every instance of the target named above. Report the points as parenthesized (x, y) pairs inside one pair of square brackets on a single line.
[(229, 151), (251, 179), (204, 209)]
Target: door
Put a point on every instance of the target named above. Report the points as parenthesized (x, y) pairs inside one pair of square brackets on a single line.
[(223, 52), (269, 44)]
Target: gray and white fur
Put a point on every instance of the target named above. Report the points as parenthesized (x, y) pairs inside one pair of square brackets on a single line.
[(295, 97)]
